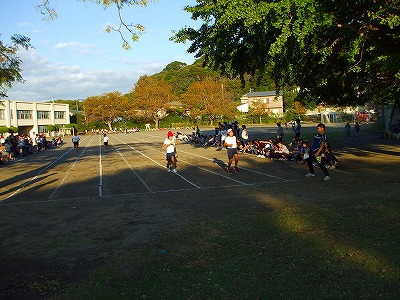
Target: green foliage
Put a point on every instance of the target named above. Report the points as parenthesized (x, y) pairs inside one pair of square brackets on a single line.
[(12, 129), (3, 129), (10, 70), (338, 52), (52, 128)]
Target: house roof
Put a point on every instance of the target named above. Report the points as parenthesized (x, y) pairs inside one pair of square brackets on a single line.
[(262, 94)]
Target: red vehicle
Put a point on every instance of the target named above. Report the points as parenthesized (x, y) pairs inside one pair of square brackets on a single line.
[(362, 116)]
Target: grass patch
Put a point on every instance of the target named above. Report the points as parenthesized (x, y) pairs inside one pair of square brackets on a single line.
[(316, 251)]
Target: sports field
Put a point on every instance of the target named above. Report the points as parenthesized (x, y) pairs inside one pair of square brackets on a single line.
[(67, 216)]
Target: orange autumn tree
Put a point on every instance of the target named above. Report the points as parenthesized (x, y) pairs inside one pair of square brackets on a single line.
[(106, 108), (208, 98), (152, 97)]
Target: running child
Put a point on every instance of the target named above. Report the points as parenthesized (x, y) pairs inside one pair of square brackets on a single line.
[(316, 150), (231, 144), (105, 140), (170, 145), (75, 139)]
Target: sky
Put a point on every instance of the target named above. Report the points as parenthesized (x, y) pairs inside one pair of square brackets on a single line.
[(74, 56)]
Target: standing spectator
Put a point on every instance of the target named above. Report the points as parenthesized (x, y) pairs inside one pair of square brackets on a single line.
[(231, 144), (357, 128), (296, 131), (224, 135), (348, 128), (245, 135), (279, 131), (317, 148)]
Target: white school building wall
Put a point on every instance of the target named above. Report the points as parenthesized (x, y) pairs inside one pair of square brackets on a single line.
[(32, 117)]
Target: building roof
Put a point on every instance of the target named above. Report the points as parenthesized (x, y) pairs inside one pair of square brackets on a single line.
[(262, 94)]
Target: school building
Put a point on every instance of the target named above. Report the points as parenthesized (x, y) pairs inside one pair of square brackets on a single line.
[(33, 117)]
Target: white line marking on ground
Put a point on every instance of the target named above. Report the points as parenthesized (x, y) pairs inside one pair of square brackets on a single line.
[(100, 172), (215, 173), (66, 174), (137, 175), (242, 168), (188, 181), (37, 175)]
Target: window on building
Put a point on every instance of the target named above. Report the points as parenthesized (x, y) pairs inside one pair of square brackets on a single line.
[(59, 115), (2, 114), (42, 129), (24, 114), (41, 114)]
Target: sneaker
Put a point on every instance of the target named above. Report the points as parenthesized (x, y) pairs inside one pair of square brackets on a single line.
[(229, 170), (174, 170), (310, 175), (327, 178), (236, 169)]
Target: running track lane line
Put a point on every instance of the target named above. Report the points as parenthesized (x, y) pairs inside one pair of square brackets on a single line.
[(335, 170), (137, 175), (215, 173), (100, 172), (66, 174), (249, 170), (177, 174), (36, 176)]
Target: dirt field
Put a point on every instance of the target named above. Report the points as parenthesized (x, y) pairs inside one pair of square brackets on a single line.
[(63, 213)]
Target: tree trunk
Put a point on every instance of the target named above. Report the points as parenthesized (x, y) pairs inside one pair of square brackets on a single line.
[(155, 118), (390, 119), (260, 118), (109, 125)]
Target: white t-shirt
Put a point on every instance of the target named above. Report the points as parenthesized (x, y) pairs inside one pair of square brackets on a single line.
[(76, 138), (231, 140), (105, 139), (170, 144), (245, 134)]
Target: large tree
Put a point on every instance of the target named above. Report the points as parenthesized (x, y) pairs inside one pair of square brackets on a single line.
[(152, 97), (337, 51), (106, 108), (10, 63), (210, 98)]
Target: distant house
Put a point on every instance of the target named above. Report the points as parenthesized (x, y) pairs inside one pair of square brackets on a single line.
[(272, 102)]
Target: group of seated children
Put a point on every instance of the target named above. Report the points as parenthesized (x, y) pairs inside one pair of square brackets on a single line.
[(275, 149), (271, 148)]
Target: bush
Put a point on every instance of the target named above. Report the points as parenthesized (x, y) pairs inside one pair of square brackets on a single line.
[(12, 129)]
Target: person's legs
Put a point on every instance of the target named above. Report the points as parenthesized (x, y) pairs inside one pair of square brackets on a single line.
[(236, 156), (173, 162), (310, 161), (322, 167), (229, 163)]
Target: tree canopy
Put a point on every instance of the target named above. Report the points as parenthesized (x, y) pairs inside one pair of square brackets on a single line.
[(10, 63), (208, 97), (336, 51), (106, 108), (152, 97)]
